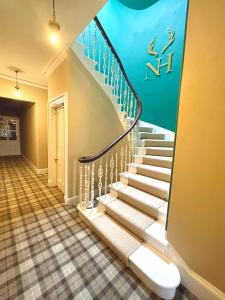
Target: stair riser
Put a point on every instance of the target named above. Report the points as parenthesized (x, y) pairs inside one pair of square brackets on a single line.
[(158, 152), (152, 162), (147, 135), (157, 162), (156, 143), (146, 129), (149, 173), (151, 211), (130, 226), (163, 194)]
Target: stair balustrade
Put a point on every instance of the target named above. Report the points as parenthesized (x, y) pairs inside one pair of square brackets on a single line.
[(102, 169)]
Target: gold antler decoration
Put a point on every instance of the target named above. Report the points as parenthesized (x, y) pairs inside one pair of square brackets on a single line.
[(170, 40), (151, 46)]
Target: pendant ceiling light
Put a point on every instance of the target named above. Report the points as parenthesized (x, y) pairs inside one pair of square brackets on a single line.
[(17, 88), (53, 26)]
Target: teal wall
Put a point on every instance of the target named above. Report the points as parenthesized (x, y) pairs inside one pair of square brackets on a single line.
[(130, 31)]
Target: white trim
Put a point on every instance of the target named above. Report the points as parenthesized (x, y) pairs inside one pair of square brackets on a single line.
[(62, 98), (55, 62), (36, 170), (196, 284), (23, 81), (71, 200), (42, 171)]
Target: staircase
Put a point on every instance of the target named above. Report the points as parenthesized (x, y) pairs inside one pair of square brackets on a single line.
[(130, 178)]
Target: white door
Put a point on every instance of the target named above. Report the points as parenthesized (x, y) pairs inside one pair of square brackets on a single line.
[(9, 136), (60, 148)]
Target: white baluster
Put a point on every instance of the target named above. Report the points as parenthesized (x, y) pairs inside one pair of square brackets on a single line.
[(89, 186), (106, 175), (135, 107), (89, 40), (81, 199), (86, 186), (117, 80), (92, 184), (128, 100), (116, 170), (124, 98), (99, 54), (94, 42), (131, 106), (112, 73), (125, 159), (121, 88), (104, 59), (100, 174), (121, 158), (109, 64), (111, 169)]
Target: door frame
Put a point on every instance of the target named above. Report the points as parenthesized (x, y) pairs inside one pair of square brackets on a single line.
[(52, 104)]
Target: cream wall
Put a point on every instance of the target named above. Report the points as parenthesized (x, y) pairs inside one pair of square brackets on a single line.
[(92, 120), (28, 133), (196, 224), (35, 149)]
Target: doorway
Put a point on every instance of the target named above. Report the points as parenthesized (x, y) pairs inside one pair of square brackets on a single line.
[(57, 143), (60, 147), (9, 136)]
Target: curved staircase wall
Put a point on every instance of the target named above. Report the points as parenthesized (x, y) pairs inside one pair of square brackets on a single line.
[(91, 116)]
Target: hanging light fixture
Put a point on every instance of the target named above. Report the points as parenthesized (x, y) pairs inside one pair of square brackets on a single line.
[(53, 25), (17, 88)]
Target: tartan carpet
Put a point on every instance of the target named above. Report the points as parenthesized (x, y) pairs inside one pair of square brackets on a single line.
[(47, 252)]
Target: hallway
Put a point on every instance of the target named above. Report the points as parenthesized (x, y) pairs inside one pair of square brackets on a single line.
[(47, 252)]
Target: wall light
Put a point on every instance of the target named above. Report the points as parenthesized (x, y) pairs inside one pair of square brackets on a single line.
[(54, 26), (17, 91)]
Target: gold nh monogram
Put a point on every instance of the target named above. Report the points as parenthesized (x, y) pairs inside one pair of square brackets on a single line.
[(160, 65), (151, 51)]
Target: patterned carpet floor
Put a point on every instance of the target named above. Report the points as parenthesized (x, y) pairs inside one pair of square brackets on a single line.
[(47, 252)]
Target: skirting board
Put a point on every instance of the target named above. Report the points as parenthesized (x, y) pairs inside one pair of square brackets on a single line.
[(36, 170), (196, 284), (71, 200)]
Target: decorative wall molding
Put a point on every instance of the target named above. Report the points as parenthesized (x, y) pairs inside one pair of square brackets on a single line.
[(55, 62), (196, 284), (26, 82)]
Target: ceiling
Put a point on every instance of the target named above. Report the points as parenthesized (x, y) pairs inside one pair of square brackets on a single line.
[(24, 33)]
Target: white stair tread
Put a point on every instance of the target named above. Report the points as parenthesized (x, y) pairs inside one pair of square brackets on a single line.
[(162, 185), (156, 157), (153, 168), (141, 200), (160, 275), (160, 158), (156, 142), (133, 219), (159, 148), (122, 242)]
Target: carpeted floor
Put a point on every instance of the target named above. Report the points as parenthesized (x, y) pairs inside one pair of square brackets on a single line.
[(47, 252)]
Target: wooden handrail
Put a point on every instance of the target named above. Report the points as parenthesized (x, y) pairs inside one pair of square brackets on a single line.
[(89, 159)]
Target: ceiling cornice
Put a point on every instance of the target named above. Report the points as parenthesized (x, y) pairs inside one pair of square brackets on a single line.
[(27, 82), (55, 62)]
